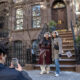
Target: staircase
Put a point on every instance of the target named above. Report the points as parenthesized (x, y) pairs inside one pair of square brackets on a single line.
[(66, 64)]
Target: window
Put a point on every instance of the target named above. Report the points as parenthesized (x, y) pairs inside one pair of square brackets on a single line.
[(77, 5), (36, 16), (17, 48), (19, 19)]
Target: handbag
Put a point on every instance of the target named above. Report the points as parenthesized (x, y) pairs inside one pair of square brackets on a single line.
[(56, 47)]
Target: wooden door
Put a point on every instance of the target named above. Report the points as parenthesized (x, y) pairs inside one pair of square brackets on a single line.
[(59, 15)]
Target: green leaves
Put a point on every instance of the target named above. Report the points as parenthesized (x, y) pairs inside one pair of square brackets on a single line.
[(78, 39), (52, 23)]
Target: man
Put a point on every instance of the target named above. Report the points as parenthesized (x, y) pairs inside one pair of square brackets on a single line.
[(56, 50), (9, 73)]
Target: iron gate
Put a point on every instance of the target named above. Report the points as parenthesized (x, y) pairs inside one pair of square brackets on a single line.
[(18, 50)]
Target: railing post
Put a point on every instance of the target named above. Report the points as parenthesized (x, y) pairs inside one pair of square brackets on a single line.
[(75, 46)]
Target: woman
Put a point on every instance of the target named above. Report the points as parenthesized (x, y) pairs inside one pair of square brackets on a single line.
[(45, 53), (56, 50)]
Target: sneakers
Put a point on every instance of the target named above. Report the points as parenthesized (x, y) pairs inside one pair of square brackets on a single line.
[(56, 75), (42, 72), (47, 72)]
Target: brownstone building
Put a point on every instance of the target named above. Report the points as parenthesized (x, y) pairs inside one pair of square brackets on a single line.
[(26, 18), (29, 16)]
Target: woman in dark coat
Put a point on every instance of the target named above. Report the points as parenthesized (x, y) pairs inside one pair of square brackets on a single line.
[(45, 53)]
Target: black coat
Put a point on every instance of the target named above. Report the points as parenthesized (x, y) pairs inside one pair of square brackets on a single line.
[(11, 74)]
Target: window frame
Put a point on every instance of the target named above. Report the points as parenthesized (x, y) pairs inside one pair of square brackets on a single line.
[(35, 17), (19, 18)]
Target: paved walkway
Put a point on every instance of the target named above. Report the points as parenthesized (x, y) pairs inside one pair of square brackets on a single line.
[(63, 76)]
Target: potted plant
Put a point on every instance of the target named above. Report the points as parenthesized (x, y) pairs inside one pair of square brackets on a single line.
[(52, 26)]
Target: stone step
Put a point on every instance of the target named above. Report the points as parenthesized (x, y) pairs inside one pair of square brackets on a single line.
[(52, 65), (70, 38), (63, 30), (67, 36), (67, 47), (66, 33), (64, 56), (72, 49), (70, 43), (64, 47), (67, 60)]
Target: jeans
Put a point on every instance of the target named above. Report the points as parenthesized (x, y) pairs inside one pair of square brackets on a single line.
[(57, 66)]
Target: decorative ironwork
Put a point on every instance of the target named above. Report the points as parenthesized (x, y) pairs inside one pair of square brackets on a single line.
[(35, 45), (18, 50)]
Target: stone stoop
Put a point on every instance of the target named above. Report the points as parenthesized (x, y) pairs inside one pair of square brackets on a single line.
[(66, 64)]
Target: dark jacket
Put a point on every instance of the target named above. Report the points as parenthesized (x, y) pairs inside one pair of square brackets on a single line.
[(11, 74), (45, 52)]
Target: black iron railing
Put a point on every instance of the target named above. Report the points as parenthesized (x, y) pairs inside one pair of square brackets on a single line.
[(36, 48), (22, 53), (76, 46), (44, 29)]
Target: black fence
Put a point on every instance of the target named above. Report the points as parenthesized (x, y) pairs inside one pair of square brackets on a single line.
[(76, 46), (20, 52), (78, 53)]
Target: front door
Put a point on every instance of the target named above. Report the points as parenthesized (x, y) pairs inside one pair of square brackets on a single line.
[(59, 15)]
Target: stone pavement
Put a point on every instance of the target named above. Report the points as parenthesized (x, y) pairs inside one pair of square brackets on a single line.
[(65, 75)]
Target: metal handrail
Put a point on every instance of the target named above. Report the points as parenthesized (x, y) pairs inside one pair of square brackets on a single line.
[(75, 44), (44, 29)]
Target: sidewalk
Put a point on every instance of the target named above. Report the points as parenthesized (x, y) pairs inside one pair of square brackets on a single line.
[(65, 75)]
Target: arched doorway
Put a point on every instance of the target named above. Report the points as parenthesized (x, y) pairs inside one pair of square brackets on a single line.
[(59, 14)]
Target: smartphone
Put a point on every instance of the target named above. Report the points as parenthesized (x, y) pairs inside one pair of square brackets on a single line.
[(15, 62)]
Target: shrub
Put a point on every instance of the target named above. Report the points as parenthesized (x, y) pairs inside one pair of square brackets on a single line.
[(78, 39), (52, 23)]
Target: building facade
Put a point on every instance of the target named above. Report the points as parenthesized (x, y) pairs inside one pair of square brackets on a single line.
[(27, 17)]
